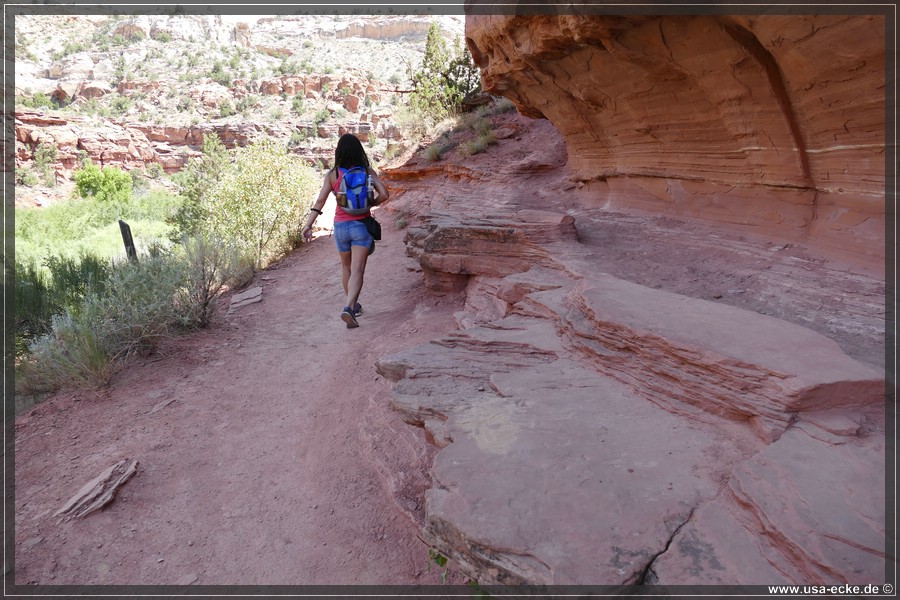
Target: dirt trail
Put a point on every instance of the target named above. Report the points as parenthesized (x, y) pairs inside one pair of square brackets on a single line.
[(267, 451)]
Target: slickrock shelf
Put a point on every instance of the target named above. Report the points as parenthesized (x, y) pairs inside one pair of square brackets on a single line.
[(608, 420)]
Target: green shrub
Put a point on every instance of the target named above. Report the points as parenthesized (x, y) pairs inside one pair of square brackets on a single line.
[(121, 104), (89, 107), (44, 292), (322, 116), (226, 109), (70, 47), (246, 103), (163, 36), (33, 306), (22, 50), (154, 170), (297, 104), (45, 155), (297, 138), (219, 75), (138, 182), (109, 184), (138, 306), (121, 71), (38, 100), (25, 176), (184, 104), (288, 66), (71, 354)]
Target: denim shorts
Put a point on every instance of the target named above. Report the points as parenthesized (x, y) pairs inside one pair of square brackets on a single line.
[(351, 233)]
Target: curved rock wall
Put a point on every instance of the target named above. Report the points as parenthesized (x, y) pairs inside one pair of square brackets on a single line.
[(774, 123)]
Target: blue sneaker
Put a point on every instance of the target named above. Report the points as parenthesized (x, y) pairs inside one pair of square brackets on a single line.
[(348, 318), (357, 309)]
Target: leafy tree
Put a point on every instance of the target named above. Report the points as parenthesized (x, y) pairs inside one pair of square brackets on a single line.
[(444, 79), (258, 201), (462, 77), (195, 180)]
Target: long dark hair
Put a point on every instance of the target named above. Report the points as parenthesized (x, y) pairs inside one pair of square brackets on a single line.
[(350, 153)]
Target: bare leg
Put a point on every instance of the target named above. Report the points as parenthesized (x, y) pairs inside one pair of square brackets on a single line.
[(358, 258), (345, 269)]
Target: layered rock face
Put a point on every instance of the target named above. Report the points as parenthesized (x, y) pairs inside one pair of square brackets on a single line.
[(772, 123), (620, 404), (129, 145)]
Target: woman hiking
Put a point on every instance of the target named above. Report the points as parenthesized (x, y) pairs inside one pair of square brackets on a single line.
[(354, 243)]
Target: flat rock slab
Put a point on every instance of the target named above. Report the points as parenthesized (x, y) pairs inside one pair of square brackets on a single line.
[(244, 298), (561, 459)]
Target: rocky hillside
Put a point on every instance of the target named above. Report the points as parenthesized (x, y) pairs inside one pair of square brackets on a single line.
[(136, 91)]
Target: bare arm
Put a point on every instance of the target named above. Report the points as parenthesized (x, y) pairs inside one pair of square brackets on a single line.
[(316, 209), (383, 193)]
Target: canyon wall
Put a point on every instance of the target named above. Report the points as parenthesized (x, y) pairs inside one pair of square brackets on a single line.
[(773, 124)]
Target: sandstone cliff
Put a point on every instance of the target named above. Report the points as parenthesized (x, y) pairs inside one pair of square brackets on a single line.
[(635, 399), (772, 123), (669, 368)]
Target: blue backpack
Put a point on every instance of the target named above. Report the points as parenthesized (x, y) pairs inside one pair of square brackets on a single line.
[(355, 194)]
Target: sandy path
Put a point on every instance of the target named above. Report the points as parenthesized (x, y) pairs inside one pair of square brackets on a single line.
[(277, 459)]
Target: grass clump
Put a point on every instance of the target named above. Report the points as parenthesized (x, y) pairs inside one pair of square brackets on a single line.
[(435, 151), (480, 144)]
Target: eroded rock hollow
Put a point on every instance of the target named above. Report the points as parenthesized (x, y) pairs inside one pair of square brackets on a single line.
[(774, 123)]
